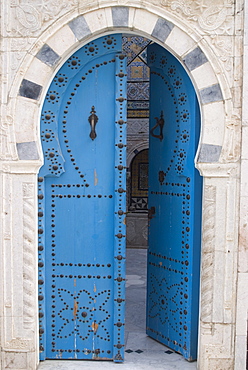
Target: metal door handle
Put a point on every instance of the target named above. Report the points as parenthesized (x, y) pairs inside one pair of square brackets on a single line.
[(160, 123), (93, 119)]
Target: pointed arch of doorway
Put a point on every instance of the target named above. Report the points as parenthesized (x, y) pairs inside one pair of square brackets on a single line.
[(56, 45), (50, 52)]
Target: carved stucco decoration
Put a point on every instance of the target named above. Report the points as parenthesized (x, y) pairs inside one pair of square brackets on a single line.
[(18, 48), (18, 344), (29, 19), (231, 147), (7, 141), (211, 18), (208, 240), (28, 255), (208, 15), (223, 48)]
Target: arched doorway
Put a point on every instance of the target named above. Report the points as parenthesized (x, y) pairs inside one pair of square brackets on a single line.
[(75, 180), (137, 199)]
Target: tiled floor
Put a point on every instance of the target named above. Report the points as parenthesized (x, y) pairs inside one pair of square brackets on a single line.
[(142, 352)]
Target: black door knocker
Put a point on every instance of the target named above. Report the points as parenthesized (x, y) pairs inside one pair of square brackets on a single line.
[(160, 124), (93, 119)]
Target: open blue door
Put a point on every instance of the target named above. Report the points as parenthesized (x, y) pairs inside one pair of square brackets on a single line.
[(81, 206), (174, 206)]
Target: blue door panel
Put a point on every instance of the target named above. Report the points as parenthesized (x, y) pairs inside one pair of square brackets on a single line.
[(81, 207), (175, 201)]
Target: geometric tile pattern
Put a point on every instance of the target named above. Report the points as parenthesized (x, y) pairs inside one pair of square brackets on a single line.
[(138, 91), (138, 71), (138, 75), (138, 104), (140, 204), (138, 128), (137, 113), (134, 45)]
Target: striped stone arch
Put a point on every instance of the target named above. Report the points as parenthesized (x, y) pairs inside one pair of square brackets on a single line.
[(50, 52)]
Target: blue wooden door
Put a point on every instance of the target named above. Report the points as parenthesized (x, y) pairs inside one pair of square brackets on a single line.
[(81, 206), (174, 206)]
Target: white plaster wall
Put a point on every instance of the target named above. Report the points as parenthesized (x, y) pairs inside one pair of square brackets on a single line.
[(217, 28), (242, 283)]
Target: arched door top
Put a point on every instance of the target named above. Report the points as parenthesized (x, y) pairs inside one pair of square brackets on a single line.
[(192, 54)]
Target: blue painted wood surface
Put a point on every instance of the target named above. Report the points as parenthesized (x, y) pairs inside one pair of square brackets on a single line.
[(82, 207), (81, 196), (175, 192)]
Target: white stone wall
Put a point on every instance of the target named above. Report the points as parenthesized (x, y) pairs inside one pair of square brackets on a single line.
[(242, 280), (207, 37)]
